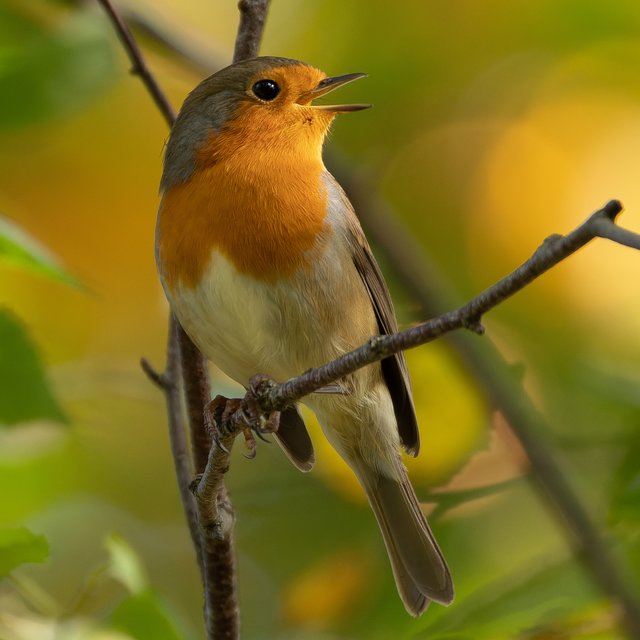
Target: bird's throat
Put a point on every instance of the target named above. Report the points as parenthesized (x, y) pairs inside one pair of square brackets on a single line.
[(267, 216)]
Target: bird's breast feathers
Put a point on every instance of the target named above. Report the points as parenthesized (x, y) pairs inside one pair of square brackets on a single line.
[(245, 325), (279, 295), (267, 219)]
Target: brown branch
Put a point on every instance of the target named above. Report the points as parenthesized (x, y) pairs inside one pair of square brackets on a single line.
[(215, 552), (178, 437), (170, 383), (138, 64), (157, 377), (612, 232), (221, 612), (197, 393), (210, 491), (253, 15), (550, 253)]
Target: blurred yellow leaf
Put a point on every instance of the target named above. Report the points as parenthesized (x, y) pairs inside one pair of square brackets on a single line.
[(327, 591), (451, 414)]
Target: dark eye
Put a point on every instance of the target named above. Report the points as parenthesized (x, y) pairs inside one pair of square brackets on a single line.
[(266, 89)]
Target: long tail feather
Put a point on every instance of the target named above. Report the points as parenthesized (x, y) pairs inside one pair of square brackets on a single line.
[(419, 568)]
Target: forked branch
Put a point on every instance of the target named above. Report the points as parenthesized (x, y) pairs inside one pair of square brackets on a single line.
[(186, 367)]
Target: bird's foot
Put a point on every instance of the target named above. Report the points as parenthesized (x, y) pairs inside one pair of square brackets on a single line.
[(227, 417), (261, 422), (219, 419)]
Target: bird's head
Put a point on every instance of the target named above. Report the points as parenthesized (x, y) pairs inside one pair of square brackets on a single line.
[(256, 111)]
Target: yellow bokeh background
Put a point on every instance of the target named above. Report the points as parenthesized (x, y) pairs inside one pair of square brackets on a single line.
[(495, 125)]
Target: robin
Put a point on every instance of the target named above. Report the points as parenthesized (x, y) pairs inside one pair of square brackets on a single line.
[(267, 269)]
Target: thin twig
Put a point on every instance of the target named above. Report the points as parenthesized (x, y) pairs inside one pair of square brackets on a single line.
[(172, 378), (616, 234), (158, 378), (221, 610), (159, 34), (216, 520), (222, 613), (138, 64), (253, 15), (197, 393)]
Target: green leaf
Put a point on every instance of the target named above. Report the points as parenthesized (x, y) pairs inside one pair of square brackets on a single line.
[(145, 616), (20, 546), (50, 68), (24, 391), (125, 565), (22, 250)]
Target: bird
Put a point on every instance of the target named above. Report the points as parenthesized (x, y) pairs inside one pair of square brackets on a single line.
[(267, 269)]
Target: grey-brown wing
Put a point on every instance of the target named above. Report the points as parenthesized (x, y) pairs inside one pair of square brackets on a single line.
[(394, 368), (293, 437)]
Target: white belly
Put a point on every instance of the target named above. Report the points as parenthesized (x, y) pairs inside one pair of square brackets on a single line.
[(281, 329), (231, 318), (246, 326)]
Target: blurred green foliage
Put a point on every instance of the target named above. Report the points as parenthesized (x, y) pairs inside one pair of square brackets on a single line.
[(25, 392), (47, 70), (495, 124), (20, 546), (19, 249)]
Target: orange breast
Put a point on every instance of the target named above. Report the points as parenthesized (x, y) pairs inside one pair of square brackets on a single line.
[(266, 217)]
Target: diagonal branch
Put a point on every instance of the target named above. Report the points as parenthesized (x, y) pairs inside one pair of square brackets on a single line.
[(171, 381), (553, 250), (138, 65)]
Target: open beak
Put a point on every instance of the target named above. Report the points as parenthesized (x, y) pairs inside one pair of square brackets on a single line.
[(329, 84)]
